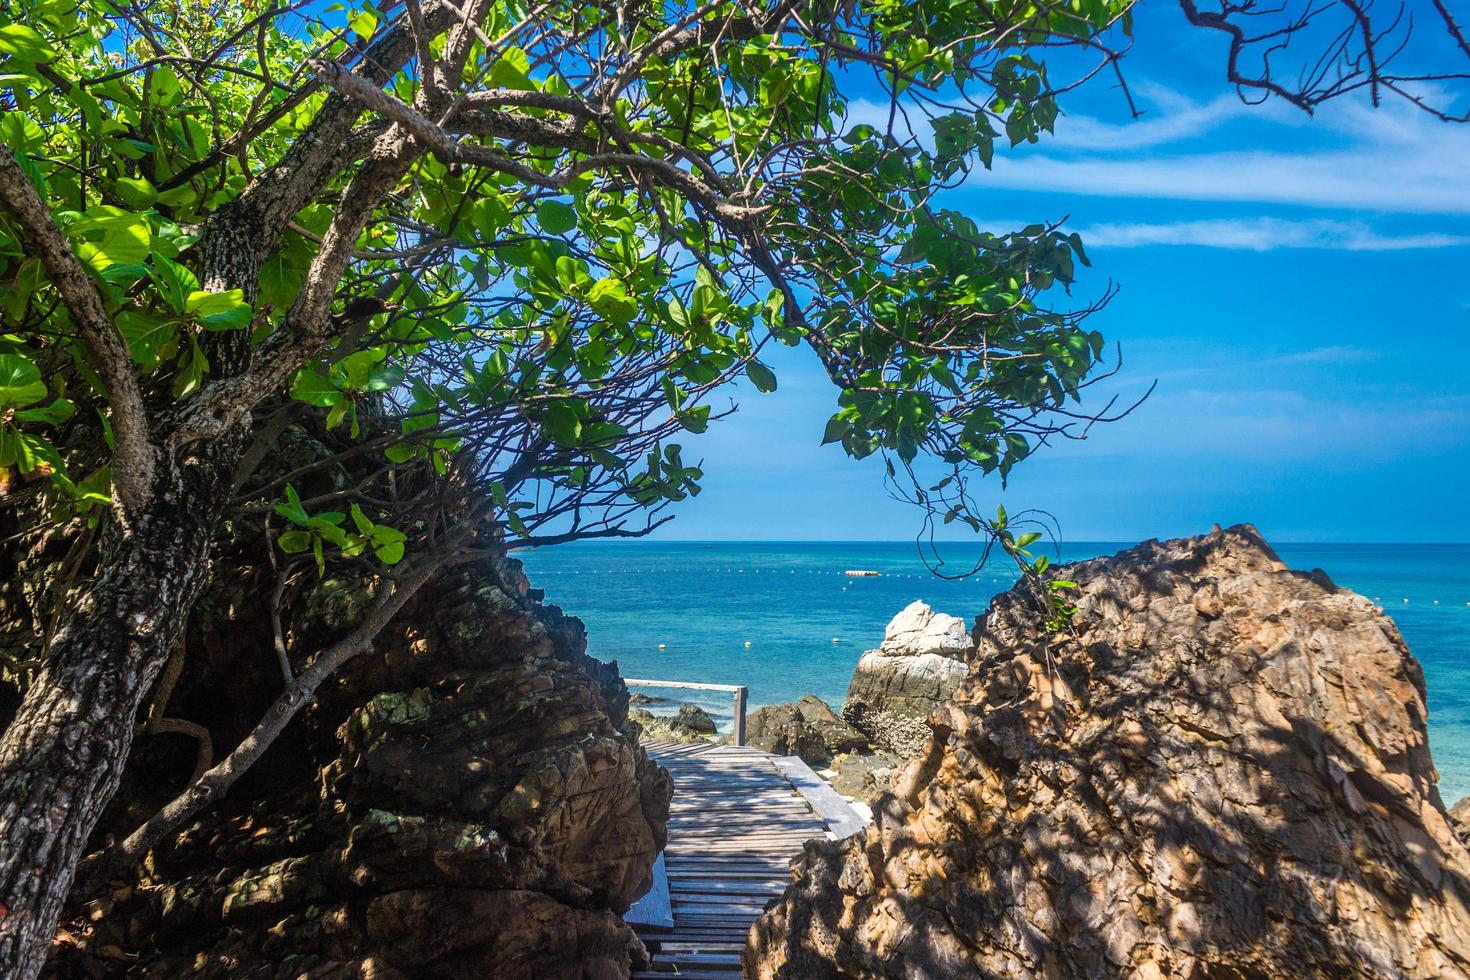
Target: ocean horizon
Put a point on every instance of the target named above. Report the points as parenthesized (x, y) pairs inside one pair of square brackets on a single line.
[(783, 618)]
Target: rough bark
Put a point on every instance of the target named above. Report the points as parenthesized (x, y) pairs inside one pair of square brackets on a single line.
[(1224, 772), (62, 755)]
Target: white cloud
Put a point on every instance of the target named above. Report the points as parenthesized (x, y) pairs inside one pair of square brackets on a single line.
[(1173, 119), (1264, 234), (1335, 354), (1424, 179), (1395, 158)]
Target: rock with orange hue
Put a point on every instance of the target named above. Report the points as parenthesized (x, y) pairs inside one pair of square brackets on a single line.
[(1222, 771)]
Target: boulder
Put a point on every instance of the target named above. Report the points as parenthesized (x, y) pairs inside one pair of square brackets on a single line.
[(466, 800), (919, 664), (809, 728), (1221, 770), (691, 724), (863, 776), (695, 719)]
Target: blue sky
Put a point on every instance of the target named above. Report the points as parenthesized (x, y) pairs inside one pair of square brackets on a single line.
[(1297, 285)]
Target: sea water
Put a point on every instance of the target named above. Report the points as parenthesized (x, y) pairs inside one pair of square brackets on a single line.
[(783, 619)]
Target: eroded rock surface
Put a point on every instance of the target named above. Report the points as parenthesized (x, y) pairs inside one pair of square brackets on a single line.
[(1224, 772), (920, 662), (808, 728), (469, 801)]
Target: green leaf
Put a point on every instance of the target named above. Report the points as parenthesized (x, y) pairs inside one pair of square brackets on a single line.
[(219, 311), (20, 382), (1028, 538), (294, 542), (315, 389), (123, 240), (386, 378), (555, 217), (610, 298), (54, 414), (20, 133), (175, 281), (563, 424), (388, 544), (364, 23), (292, 510), (761, 376), (837, 427), (136, 192), (25, 43), (364, 526)]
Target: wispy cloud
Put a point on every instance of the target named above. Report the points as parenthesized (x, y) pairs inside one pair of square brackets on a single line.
[(1170, 118), (1335, 354), (1390, 159), (1264, 235), (1427, 179)]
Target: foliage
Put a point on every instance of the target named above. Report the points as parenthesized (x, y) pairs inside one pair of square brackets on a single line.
[(556, 287)]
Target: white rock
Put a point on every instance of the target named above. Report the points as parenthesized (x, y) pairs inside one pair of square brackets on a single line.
[(918, 630)]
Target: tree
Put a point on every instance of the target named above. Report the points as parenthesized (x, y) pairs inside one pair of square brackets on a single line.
[(507, 253)]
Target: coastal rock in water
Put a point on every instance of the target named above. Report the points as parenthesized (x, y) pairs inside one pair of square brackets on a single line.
[(919, 664), (1223, 771), (695, 719), (691, 724), (469, 800), (809, 728)]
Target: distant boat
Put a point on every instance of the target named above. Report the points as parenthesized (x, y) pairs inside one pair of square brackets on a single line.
[(861, 573)]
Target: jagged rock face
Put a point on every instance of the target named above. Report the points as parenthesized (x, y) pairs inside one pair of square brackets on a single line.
[(1223, 772), (920, 663), (479, 808), (808, 728)]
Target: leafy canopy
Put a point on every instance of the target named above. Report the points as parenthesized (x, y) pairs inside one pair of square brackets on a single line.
[(596, 217)]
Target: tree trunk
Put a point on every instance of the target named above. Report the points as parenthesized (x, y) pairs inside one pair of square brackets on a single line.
[(62, 756)]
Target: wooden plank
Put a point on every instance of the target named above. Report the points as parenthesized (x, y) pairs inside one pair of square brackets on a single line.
[(653, 909), (736, 822), (842, 820)]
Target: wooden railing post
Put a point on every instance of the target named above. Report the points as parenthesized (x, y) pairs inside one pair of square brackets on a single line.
[(740, 695)]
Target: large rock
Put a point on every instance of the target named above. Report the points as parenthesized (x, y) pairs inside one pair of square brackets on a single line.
[(1222, 771), (469, 800), (919, 664), (690, 724), (809, 728)]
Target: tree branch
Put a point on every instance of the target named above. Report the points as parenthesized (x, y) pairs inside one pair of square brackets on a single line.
[(214, 783), (136, 457)]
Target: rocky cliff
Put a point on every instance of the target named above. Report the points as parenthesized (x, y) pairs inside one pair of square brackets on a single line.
[(469, 800), (1221, 771)]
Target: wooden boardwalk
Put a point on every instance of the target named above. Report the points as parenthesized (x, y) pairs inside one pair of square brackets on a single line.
[(738, 817)]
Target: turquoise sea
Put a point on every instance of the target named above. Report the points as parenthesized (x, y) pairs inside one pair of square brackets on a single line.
[(783, 619)]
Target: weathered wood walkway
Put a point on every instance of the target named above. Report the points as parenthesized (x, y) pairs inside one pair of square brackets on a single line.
[(738, 817)]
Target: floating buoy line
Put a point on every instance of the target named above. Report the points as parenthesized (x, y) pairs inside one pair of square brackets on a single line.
[(983, 577)]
